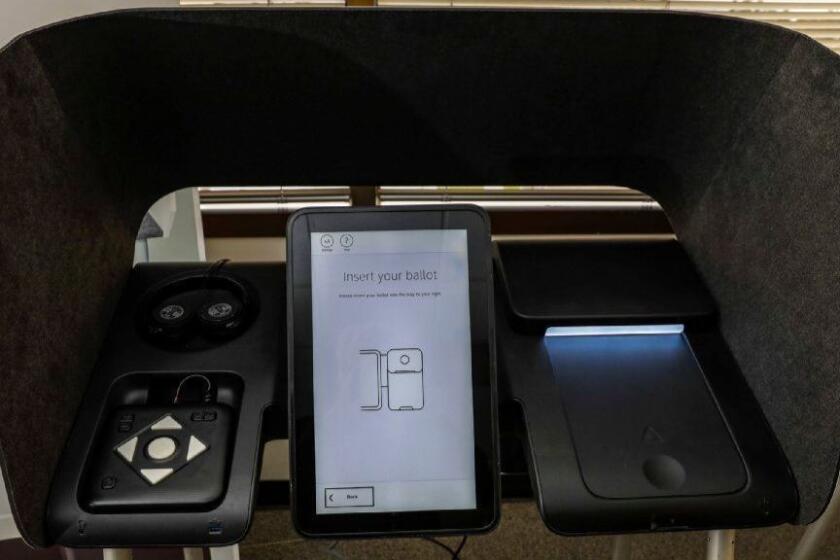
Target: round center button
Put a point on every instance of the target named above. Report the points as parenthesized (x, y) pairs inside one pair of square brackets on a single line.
[(161, 449)]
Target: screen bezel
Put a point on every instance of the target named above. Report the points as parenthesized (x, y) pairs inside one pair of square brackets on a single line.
[(301, 403)]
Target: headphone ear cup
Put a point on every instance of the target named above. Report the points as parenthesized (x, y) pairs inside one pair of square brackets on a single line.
[(196, 311), (221, 314), (170, 320)]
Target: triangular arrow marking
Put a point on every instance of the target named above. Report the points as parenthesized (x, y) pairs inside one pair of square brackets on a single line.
[(155, 475), (166, 423), (127, 449), (652, 436), (195, 448)]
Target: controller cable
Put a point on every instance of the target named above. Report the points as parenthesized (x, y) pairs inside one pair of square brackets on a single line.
[(332, 548), (209, 275), (455, 553), (208, 392), (212, 270)]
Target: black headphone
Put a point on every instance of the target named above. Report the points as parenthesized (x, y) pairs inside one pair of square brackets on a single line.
[(198, 309)]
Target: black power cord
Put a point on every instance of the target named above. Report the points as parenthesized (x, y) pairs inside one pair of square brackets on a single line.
[(209, 274), (454, 553), (212, 270)]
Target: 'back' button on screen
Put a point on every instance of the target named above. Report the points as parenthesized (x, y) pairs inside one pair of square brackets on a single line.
[(358, 496)]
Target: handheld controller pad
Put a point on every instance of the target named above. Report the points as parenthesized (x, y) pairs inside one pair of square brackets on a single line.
[(155, 458)]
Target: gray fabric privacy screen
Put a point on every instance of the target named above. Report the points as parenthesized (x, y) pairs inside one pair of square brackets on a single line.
[(733, 126)]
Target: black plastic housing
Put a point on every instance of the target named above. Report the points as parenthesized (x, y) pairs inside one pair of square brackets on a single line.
[(197, 483), (134, 371), (589, 470)]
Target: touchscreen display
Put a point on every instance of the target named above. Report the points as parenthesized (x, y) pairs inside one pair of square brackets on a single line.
[(392, 371)]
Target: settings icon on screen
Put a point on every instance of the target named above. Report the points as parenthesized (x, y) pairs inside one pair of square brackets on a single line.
[(327, 241)]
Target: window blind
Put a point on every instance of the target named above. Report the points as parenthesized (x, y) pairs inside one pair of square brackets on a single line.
[(509, 198), (269, 200), (818, 18)]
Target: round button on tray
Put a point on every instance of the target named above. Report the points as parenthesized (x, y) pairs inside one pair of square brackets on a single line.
[(161, 448)]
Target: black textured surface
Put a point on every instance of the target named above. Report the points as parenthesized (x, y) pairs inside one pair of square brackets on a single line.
[(731, 125)]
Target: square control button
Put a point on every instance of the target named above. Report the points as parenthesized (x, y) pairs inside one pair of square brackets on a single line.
[(357, 496), (203, 416)]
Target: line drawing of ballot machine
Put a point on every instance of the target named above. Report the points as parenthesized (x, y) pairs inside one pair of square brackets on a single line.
[(401, 382)]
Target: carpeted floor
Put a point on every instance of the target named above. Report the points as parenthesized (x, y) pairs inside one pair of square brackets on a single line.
[(521, 534)]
